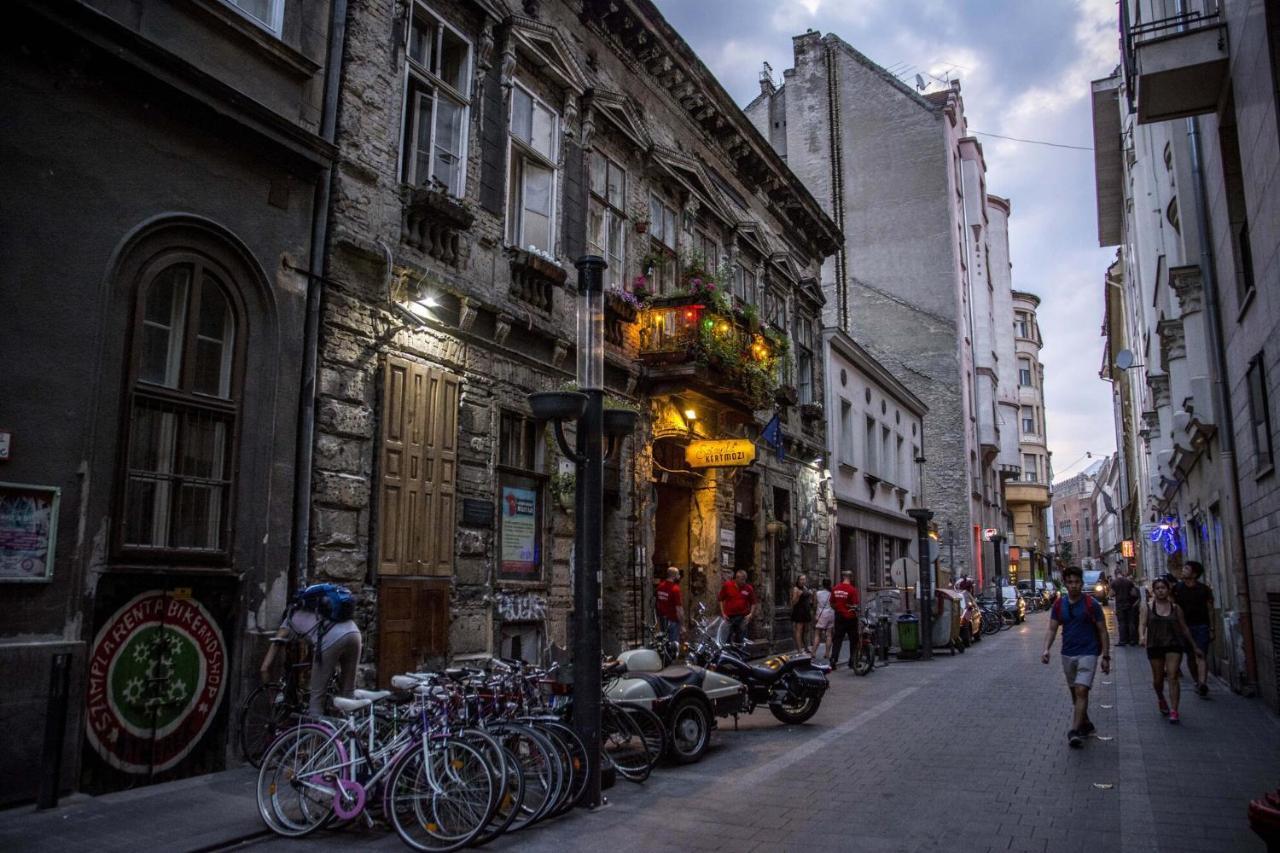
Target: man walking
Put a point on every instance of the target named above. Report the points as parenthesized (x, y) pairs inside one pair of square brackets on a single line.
[(1125, 595), (845, 601), (670, 605), (1085, 642), (1196, 600), (738, 605)]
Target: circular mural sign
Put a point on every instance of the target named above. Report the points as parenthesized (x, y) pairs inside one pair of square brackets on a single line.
[(157, 672)]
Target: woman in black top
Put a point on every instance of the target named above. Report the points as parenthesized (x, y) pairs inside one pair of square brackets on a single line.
[(801, 612), (1163, 631)]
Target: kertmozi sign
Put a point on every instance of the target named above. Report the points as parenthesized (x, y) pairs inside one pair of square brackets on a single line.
[(728, 453), (157, 673)]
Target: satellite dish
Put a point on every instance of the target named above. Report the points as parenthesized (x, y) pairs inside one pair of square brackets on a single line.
[(1124, 359), (904, 571), (920, 84)]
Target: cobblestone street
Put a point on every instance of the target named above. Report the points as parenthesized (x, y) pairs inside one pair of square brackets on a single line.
[(965, 754)]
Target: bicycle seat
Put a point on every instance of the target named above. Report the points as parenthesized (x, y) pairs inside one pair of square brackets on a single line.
[(372, 695), (405, 682), (346, 705)]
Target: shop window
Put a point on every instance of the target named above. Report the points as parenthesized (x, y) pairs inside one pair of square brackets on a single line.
[(532, 182), (184, 411), (520, 499), (437, 111), (606, 227)]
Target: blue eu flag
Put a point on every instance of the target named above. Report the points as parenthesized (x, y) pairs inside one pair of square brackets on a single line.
[(772, 435)]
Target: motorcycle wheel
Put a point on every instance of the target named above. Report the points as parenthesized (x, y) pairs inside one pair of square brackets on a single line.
[(796, 709), (690, 731), (866, 660)]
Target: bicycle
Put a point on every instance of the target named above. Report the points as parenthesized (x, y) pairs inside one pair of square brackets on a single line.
[(270, 708)]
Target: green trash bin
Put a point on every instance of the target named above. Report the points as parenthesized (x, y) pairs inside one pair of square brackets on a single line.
[(908, 636)]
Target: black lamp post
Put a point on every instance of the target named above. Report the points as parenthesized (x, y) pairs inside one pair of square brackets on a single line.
[(925, 581)]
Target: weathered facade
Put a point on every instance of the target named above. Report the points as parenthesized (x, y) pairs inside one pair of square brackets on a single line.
[(1028, 494), (166, 167), (906, 183), (1186, 155), (484, 147)]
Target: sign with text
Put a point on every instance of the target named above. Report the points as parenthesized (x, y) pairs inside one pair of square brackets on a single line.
[(725, 453)]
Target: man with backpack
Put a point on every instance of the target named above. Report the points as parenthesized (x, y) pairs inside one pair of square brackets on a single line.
[(1085, 644), (323, 615)]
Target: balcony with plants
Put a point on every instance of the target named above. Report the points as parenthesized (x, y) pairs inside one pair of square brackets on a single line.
[(693, 337)]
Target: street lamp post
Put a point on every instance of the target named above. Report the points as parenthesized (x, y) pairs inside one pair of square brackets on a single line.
[(997, 558), (922, 516)]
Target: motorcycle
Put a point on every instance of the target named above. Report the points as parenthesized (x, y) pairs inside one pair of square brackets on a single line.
[(687, 699), (791, 685)]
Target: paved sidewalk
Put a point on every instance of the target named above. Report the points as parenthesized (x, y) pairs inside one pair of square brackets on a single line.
[(967, 753)]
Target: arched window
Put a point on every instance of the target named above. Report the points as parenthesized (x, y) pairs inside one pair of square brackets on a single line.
[(183, 410)]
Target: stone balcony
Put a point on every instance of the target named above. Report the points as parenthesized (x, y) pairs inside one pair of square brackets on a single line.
[(1179, 64), (435, 223)]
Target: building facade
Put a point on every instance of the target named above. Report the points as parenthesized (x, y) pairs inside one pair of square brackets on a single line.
[(150, 434), (1075, 533), (1028, 493), (1186, 154), (484, 147), (876, 432), (906, 183)]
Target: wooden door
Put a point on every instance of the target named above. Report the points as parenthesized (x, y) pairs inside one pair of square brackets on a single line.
[(413, 625)]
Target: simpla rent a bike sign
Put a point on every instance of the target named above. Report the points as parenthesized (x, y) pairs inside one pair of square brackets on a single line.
[(156, 675)]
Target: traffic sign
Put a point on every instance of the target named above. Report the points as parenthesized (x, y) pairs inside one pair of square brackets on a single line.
[(989, 534)]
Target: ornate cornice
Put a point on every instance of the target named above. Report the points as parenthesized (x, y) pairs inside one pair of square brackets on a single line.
[(1159, 385), (1188, 285), (1173, 340)]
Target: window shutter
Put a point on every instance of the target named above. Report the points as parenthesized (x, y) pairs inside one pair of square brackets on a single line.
[(419, 469), (573, 216), (493, 143)]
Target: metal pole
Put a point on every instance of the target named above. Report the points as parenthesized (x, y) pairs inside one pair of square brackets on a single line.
[(55, 724), (996, 555), (588, 563), (922, 516)]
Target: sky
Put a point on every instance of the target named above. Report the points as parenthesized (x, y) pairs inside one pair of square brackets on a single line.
[(1024, 67)]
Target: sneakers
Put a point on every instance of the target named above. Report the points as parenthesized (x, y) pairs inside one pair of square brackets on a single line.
[(1173, 717), (1074, 739), (1087, 729), (1164, 706), (1202, 690)]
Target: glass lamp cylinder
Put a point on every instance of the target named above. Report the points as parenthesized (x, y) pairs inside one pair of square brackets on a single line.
[(591, 321)]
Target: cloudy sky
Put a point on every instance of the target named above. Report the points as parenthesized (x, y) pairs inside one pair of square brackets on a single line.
[(1025, 67)]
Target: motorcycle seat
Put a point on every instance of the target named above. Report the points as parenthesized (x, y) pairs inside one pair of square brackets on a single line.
[(670, 680), (764, 673)]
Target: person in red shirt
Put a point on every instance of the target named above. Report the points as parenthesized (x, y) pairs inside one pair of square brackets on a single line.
[(845, 601), (738, 605), (670, 605)]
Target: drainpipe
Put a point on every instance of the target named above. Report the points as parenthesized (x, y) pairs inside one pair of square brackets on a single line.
[(1226, 435), (305, 441)]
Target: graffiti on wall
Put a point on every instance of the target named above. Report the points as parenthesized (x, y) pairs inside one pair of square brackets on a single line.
[(521, 606)]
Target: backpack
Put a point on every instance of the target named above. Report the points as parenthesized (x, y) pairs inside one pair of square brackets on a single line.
[(329, 601), (1063, 604)]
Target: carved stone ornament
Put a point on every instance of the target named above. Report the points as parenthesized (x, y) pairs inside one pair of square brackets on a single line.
[(1188, 285), (467, 313), (570, 112), (484, 50), (501, 329), (1173, 340), (1159, 385), (559, 353), (508, 65)]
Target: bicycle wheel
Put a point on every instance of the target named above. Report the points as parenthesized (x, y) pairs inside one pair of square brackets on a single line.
[(262, 715), (622, 744), (510, 799), (866, 659), (655, 733), (575, 761), (296, 781), (442, 796)]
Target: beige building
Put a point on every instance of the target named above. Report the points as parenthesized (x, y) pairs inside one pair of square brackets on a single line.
[(1027, 495)]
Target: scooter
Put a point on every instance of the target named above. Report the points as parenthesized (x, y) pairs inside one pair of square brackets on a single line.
[(687, 699), (792, 685)]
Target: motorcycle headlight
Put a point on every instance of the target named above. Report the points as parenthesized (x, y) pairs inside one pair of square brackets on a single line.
[(1097, 587)]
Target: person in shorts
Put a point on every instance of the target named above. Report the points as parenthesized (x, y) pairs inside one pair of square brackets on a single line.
[(1085, 646), (670, 605), (825, 619), (1194, 598), (1163, 630)]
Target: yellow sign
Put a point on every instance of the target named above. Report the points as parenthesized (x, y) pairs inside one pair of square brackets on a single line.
[(1126, 548), (728, 453)]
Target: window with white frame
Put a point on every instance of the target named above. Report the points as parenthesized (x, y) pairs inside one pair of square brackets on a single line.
[(1028, 420), (664, 243), (268, 14), (1024, 372), (744, 286), (869, 448), (888, 464), (804, 358), (707, 247), (775, 309), (606, 232), (1030, 468), (846, 433), (1022, 323), (531, 203), (437, 108)]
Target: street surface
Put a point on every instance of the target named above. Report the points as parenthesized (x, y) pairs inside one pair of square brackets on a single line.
[(967, 753)]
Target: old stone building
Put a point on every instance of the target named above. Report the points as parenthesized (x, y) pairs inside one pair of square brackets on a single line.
[(167, 168), (483, 147), (913, 282), (1028, 494)]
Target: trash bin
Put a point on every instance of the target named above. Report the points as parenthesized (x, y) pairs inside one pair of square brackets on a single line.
[(908, 636)]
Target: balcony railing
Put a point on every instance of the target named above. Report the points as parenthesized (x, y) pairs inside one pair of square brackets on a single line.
[(1174, 67)]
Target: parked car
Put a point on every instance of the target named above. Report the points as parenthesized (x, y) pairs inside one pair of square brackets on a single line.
[(1097, 585), (1014, 602)]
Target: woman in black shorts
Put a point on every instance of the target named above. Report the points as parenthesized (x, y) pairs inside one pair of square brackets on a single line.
[(1164, 632)]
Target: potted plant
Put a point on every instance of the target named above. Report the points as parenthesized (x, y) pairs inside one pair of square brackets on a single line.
[(557, 405), (811, 411), (620, 417), (640, 218), (787, 395)]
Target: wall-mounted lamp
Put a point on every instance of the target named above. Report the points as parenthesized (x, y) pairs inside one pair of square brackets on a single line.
[(690, 415)]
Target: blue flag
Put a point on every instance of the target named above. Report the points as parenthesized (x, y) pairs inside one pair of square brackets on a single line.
[(772, 435)]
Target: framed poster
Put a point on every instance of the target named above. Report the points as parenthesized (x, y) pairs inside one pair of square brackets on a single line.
[(28, 532), (519, 528)]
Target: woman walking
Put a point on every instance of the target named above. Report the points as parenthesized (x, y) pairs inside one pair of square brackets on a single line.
[(1164, 632), (801, 612), (825, 619)]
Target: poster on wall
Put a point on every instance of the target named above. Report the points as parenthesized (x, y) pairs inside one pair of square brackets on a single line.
[(28, 532), (520, 514)]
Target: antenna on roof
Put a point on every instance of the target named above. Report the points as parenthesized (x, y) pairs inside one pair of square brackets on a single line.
[(920, 84), (766, 72)]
